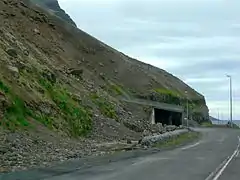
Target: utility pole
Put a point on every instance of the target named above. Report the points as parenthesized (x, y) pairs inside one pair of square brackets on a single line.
[(218, 117), (230, 98), (187, 109)]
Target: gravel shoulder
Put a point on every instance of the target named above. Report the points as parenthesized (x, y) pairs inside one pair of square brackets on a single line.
[(189, 162), (98, 159)]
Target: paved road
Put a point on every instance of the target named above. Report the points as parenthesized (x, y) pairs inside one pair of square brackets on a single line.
[(214, 156)]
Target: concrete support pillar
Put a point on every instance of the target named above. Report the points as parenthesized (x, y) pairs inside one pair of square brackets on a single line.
[(182, 117), (152, 117)]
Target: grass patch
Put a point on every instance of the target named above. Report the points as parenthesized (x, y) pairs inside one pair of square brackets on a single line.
[(3, 87), (106, 108), (206, 124), (116, 89), (167, 92), (78, 117), (179, 140), (47, 121), (15, 115)]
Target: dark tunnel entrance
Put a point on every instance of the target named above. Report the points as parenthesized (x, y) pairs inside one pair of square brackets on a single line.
[(167, 117)]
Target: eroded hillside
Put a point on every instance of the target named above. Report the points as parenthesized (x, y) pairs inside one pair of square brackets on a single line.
[(58, 82)]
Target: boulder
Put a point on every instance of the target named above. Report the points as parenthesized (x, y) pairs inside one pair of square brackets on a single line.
[(76, 72), (133, 126), (146, 133), (49, 76), (12, 52), (129, 141), (151, 140), (26, 52), (171, 128), (36, 31), (21, 65), (102, 75), (160, 127), (14, 71), (157, 128), (45, 108)]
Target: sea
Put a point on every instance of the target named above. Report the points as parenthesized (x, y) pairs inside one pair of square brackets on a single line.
[(237, 122)]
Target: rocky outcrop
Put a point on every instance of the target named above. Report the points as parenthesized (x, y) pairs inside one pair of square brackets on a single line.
[(54, 7)]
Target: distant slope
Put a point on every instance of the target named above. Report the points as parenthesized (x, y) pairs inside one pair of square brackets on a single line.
[(213, 119), (54, 7)]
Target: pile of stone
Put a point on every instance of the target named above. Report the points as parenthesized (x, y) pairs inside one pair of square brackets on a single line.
[(156, 129), (151, 140)]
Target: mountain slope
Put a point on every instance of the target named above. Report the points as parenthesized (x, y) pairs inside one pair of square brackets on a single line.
[(59, 84), (52, 58)]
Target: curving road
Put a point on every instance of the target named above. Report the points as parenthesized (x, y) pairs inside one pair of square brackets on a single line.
[(215, 156)]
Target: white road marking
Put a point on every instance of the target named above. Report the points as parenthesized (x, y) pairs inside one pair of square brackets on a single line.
[(200, 158), (237, 153), (190, 146), (220, 169), (149, 160), (217, 170), (224, 167)]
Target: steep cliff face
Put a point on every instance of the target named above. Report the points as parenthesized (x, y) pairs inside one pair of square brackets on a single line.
[(54, 7)]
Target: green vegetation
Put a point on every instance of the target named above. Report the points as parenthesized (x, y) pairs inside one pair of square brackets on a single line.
[(179, 140), (206, 124), (15, 114), (47, 121), (116, 89), (78, 117), (167, 92), (167, 96), (3, 87), (105, 106)]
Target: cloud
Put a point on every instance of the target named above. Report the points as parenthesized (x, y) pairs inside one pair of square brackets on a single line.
[(223, 108), (198, 41), (204, 80)]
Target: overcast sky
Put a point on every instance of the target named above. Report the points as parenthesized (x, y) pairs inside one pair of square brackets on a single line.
[(196, 40)]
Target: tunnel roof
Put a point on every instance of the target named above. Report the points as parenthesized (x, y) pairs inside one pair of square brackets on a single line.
[(155, 104)]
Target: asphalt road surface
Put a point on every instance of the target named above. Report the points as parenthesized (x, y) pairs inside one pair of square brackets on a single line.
[(214, 157)]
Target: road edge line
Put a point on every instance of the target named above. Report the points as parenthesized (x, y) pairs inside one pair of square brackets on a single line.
[(191, 146), (220, 169)]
